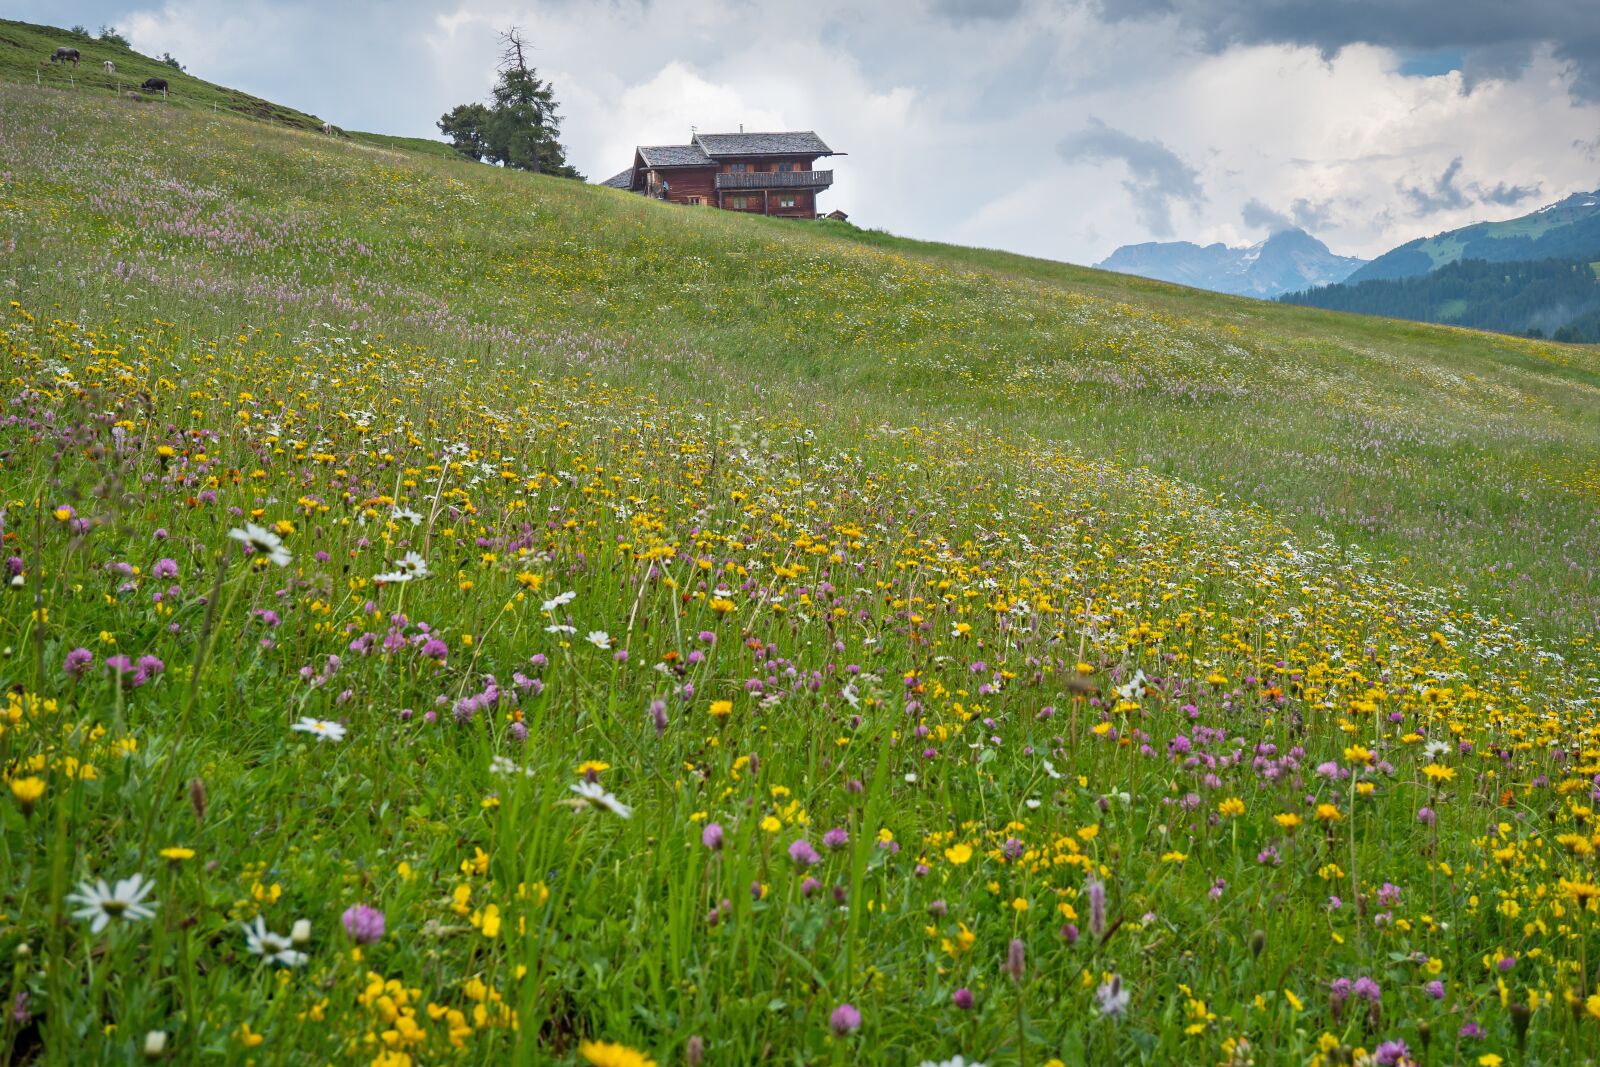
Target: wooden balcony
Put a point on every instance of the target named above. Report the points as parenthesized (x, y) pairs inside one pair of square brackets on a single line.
[(775, 179)]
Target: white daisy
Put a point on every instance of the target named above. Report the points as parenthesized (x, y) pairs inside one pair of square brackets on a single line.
[(322, 729), (264, 541), (954, 1061), (1135, 687), (412, 568), (506, 765), (1050, 769), (407, 515), (558, 628), (599, 639), (593, 794), (1111, 997), (125, 902), (271, 947), (1435, 749), (559, 600)]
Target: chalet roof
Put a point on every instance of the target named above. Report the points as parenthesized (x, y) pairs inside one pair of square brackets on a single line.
[(623, 180), (784, 143), (674, 155)]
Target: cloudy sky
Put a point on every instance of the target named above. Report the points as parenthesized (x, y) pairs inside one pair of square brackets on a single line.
[(1060, 128)]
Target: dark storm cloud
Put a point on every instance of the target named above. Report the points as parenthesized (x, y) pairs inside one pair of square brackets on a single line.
[(1446, 193), (1259, 216), (1507, 195), (970, 10), (1157, 176), (1303, 214), (1442, 195), (1496, 36), (1311, 215)]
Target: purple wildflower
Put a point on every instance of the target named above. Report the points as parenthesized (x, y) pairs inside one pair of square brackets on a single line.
[(363, 924), (78, 661), (802, 852), (1392, 1053), (845, 1019), (1097, 908)]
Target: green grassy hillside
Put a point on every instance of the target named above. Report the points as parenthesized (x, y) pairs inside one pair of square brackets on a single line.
[(26, 48), (1464, 454), (25, 51), (624, 633), (1568, 229)]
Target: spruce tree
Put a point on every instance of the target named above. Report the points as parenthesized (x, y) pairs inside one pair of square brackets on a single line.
[(521, 127)]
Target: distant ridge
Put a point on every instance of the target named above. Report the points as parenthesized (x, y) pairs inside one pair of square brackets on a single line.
[(1534, 275), (1567, 229), (1287, 261)]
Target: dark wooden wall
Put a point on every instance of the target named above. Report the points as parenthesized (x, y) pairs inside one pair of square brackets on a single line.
[(696, 181), (701, 182)]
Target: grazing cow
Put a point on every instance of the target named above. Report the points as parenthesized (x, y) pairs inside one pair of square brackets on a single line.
[(111, 68), (154, 85), (65, 55), (328, 128)]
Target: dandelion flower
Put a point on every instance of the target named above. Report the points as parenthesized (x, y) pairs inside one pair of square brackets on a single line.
[(27, 791), (323, 729), (126, 901), (610, 1054)]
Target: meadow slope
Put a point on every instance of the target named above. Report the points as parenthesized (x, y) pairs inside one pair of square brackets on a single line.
[(620, 632)]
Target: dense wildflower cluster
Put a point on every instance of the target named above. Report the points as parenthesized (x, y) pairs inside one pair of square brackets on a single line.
[(996, 693), (372, 701)]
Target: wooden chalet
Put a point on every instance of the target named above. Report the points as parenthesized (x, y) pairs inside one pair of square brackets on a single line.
[(762, 173)]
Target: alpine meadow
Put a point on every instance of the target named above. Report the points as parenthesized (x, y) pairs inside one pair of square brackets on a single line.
[(455, 615)]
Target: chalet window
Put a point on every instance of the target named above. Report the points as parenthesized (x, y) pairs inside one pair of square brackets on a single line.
[(786, 201), (696, 201), (737, 168), (785, 166), (738, 203)]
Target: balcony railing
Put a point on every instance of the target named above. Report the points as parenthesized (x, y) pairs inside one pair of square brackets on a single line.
[(775, 179)]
